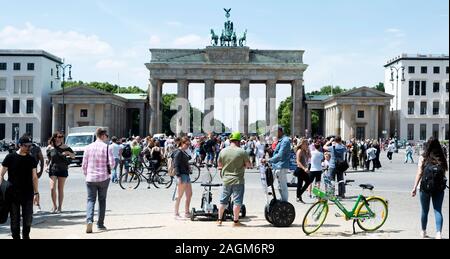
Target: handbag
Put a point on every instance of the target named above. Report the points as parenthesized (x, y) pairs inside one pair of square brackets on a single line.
[(341, 165)]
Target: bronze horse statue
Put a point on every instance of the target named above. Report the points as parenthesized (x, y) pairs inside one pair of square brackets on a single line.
[(243, 40), (214, 38)]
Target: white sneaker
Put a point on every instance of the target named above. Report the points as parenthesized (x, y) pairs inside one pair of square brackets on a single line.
[(438, 235), (423, 234)]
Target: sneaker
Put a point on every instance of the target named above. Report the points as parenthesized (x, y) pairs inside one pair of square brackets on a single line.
[(238, 225), (438, 235), (219, 223), (89, 228), (423, 234), (102, 228)]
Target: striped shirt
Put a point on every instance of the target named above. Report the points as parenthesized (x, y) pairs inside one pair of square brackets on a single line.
[(94, 162)]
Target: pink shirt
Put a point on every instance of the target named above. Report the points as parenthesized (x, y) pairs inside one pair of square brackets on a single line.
[(94, 162)]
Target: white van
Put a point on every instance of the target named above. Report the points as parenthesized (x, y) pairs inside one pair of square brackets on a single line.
[(78, 139)]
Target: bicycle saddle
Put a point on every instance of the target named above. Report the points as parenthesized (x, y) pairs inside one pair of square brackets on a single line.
[(211, 185), (367, 187)]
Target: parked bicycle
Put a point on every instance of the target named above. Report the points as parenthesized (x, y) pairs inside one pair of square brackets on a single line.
[(142, 172), (369, 213)]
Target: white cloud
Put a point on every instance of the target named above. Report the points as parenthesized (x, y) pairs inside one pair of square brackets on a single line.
[(191, 40), (68, 44)]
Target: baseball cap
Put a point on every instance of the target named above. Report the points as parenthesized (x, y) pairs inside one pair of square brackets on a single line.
[(235, 136), (25, 140)]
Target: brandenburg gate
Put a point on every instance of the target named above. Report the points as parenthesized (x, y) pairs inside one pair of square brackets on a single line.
[(231, 62)]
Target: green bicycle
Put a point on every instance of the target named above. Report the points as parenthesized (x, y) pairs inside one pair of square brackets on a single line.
[(369, 213)]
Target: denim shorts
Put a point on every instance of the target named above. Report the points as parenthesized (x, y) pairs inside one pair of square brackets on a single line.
[(184, 179), (210, 156), (237, 191)]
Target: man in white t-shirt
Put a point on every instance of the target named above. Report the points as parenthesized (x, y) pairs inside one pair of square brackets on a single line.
[(116, 151)]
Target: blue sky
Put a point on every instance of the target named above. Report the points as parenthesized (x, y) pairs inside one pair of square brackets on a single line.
[(346, 41)]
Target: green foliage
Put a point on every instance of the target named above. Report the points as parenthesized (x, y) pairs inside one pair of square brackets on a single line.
[(329, 90), (380, 87), (285, 115), (107, 87), (258, 127)]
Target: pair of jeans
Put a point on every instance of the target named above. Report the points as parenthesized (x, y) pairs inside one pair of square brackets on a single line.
[(99, 189), (26, 205), (438, 199), (332, 175), (281, 175), (115, 178), (409, 156)]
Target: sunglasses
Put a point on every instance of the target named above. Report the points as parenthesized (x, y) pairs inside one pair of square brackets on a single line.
[(60, 136)]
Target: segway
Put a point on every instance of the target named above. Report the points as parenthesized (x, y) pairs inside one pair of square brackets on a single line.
[(278, 213), (209, 211)]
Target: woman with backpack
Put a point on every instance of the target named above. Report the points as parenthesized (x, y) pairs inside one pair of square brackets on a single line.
[(431, 175)]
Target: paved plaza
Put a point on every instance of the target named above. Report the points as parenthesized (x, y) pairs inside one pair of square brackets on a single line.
[(148, 214)]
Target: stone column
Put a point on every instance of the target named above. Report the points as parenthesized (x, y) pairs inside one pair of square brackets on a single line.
[(338, 120), (372, 122), (271, 103), (183, 119), (353, 117), (70, 117), (387, 120), (309, 122), (244, 106), (56, 116), (92, 115), (153, 89), (210, 89), (159, 114), (324, 123), (298, 115), (107, 115), (141, 121)]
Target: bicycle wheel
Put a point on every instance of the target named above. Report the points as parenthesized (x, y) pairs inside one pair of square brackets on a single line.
[(372, 222), (315, 217), (161, 179), (195, 173), (129, 181)]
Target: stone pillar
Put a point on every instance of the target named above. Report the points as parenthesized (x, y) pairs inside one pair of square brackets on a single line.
[(244, 106), (210, 90), (354, 115), (107, 115), (338, 120), (309, 122), (298, 115), (69, 117), (56, 117), (271, 102), (372, 122), (92, 115), (183, 119), (324, 123), (153, 89), (387, 120), (141, 121), (159, 114)]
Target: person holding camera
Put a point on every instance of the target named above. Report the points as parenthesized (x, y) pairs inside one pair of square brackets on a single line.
[(22, 175), (337, 151), (97, 163), (58, 155)]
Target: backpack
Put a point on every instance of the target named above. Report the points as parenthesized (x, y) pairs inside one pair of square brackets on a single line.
[(341, 164), (170, 165), (126, 152), (433, 179)]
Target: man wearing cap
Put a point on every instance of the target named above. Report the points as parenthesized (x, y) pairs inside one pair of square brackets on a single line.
[(22, 174), (280, 162), (232, 161)]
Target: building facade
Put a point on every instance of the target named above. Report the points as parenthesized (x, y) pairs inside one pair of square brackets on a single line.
[(26, 79), (362, 113), (420, 85)]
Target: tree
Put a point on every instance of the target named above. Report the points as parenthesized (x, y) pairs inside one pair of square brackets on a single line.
[(258, 127), (380, 87), (329, 90), (285, 115), (107, 87)]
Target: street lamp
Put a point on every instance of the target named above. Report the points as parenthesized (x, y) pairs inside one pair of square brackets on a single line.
[(63, 68), (397, 78)]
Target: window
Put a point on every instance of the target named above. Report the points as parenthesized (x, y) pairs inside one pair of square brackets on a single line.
[(30, 66), (411, 70), (29, 129), (30, 86), (30, 107), (411, 88), (2, 84), (51, 84), (417, 88), (435, 108), (15, 131), (51, 72), (17, 66), (446, 132), (446, 108), (83, 113), (436, 87), (423, 108), (361, 133), (23, 86), (16, 86), (436, 131), (16, 106), (446, 70), (424, 88), (424, 70), (410, 108), (436, 70), (410, 131), (423, 131), (2, 107), (361, 115), (446, 87), (3, 66), (2, 131)]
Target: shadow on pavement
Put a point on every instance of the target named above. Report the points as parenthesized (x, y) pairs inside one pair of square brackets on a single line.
[(128, 229)]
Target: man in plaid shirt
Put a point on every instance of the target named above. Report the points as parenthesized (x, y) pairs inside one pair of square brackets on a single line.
[(96, 159)]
